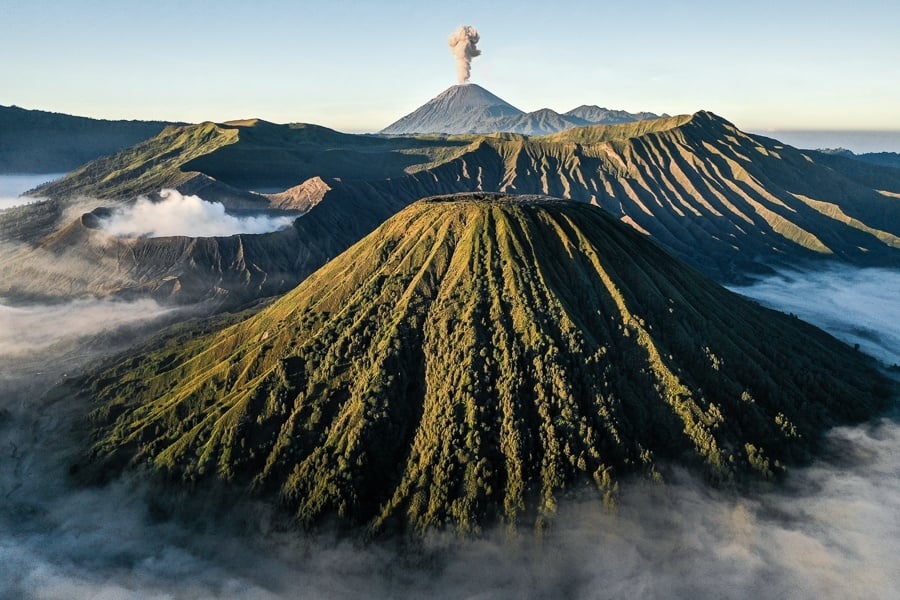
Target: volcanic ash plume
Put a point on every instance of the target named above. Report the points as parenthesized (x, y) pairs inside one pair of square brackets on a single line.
[(462, 45)]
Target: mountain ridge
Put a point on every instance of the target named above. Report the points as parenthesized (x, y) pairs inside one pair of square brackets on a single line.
[(731, 204), (469, 108), (37, 141)]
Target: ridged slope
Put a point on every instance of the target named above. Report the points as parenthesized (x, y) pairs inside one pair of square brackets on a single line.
[(471, 360), (727, 202)]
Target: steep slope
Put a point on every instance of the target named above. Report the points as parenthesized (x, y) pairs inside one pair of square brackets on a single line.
[(472, 360), (36, 141), (80, 260), (726, 202), (48, 257), (464, 108), (884, 159), (145, 168), (241, 156), (729, 203)]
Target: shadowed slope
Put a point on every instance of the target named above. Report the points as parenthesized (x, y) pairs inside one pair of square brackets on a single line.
[(37, 141), (471, 360)]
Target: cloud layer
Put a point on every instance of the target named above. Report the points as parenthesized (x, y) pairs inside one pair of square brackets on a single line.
[(177, 214), (31, 328), (859, 306), (12, 186)]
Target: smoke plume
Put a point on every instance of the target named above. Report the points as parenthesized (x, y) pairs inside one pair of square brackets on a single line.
[(191, 216), (462, 45)]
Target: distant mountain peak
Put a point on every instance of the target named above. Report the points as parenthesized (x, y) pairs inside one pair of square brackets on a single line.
[(469, 108), (472, 94), (460, 108), (605, 116)]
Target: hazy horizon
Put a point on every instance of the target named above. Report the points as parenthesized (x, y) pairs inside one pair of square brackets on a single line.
[(859, 141), (360, 67)]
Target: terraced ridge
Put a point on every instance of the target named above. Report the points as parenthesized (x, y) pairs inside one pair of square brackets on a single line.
[(472, 360)]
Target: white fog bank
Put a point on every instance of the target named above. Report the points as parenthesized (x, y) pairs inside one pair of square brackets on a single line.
[(30, 328), (13, 186), (177, 214), (859, 306)]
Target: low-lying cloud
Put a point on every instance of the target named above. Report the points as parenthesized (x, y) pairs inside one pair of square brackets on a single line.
[(859, 306), (13, 186), (831, 531), (30, 328), (11, 201), (176, 214)]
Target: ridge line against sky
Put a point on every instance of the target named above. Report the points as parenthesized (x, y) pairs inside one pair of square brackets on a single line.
[(358, 67)]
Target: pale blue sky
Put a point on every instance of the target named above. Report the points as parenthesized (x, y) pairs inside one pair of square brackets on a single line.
[(358, 66)]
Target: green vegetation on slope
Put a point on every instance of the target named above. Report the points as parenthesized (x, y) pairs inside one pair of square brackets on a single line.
[(144, 168), (472, 360), (594, 134)]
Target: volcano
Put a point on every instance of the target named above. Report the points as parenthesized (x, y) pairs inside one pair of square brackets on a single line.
[(464, 108), (474, 359), (469, 108)]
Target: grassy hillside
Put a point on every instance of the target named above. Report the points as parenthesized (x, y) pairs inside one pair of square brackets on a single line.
[(594, 134), (471, 361), (248, 155), (145, 168)]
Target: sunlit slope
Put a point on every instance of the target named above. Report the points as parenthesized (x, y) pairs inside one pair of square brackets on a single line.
[(247, 155), (472, 360), (144, 168)]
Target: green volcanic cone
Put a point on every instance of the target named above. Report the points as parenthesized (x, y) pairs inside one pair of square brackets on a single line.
[(470, 361)]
